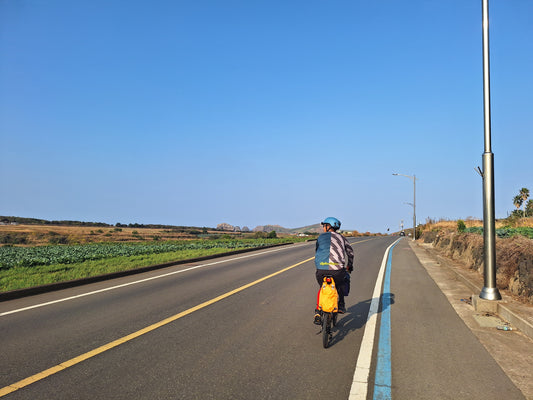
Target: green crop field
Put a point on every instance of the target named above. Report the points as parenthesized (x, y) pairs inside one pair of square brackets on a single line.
[(22, 267), (505, 232)]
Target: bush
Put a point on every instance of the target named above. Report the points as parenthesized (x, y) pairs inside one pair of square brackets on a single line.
[(524, 231), (461, 225), (475, 229), (58, 239), (13, 238)]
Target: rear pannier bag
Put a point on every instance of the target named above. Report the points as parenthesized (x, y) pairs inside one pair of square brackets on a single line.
[(328, 297)]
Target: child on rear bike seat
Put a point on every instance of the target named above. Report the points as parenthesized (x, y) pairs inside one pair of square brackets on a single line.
[(333, 256)]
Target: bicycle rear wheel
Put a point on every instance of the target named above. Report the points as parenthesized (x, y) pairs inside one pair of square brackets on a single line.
[(326, 329)]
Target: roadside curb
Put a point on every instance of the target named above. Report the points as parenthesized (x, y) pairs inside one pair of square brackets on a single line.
[(504, 308), (19, 293)]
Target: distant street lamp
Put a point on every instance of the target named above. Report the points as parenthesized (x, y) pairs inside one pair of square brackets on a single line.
[(489, 291), (414, 201)]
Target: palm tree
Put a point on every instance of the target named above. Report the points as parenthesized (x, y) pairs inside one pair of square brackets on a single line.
[(524, 194), (529, 208), (517, 201)]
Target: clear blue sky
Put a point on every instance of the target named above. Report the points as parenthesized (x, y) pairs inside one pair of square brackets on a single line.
[(260, 112)]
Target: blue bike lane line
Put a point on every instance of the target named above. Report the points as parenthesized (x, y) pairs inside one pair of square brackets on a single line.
[(383, 379), (382, 383)]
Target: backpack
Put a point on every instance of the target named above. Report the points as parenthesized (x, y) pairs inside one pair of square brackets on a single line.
[(328, 296)]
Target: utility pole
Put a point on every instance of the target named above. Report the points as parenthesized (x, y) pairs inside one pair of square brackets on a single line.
[(414, 201), (489, 291)]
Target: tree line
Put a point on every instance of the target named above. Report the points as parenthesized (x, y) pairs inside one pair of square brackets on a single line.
[(37, 221)]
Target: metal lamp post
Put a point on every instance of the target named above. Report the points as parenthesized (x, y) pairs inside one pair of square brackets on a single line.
[(414, 201), (489, 291)]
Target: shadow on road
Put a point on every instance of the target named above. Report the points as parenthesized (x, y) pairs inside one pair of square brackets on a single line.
[(356, 317)]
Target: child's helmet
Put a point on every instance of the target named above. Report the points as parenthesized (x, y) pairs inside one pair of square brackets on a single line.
[(334, 222)]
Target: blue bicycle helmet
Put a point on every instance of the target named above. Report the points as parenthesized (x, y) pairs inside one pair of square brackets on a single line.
[(334, 222)]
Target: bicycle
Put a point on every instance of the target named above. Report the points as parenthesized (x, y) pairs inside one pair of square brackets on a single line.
[(328, 315)]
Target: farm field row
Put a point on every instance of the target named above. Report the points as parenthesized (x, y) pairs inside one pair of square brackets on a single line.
[(23, 267)]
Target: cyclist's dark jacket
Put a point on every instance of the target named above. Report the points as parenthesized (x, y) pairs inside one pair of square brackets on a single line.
[(333, 252)]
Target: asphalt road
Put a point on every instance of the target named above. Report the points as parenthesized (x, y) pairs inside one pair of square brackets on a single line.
[(221, 333)]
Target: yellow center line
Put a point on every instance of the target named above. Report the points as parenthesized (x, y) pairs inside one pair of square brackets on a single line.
[(362, 241), (76, 360)]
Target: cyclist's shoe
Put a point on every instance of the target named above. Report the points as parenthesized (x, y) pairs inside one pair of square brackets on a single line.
[(318, 319), (342, 310)]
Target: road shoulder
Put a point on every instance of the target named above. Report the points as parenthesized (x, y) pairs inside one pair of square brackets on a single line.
[(512, 350)]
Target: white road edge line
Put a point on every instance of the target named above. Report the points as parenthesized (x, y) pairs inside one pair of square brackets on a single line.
[(359, 388), (136, 282)]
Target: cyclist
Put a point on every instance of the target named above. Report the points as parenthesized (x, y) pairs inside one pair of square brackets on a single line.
[(333, 256)]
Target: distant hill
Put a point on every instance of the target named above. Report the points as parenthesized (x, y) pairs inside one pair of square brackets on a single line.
[(316, 228)]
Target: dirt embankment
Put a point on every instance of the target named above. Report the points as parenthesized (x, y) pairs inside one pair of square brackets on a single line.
[(514, 258)]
